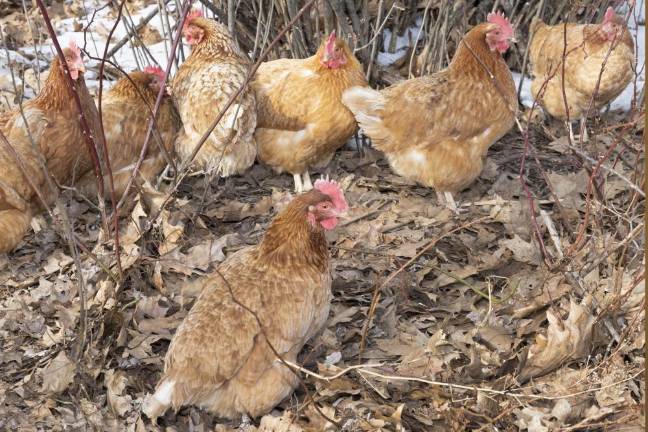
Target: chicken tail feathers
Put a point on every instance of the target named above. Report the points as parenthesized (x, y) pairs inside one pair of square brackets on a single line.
[(156, 404), (366, 105), (13, 226)]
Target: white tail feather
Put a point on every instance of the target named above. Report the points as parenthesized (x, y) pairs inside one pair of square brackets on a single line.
[(366, 104), (157, 403)]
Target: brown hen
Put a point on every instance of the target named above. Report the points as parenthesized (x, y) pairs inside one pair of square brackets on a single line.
[(219, 358), (436, 129), (53, 127), (214, 71), (126, 111), (589, 46), (301, 119)]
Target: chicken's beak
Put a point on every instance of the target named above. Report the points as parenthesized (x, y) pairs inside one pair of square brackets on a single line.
[(513, 40), (343, 216), (80, 66)]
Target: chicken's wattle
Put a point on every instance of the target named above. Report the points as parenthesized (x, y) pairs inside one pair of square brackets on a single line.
[(329, 223)]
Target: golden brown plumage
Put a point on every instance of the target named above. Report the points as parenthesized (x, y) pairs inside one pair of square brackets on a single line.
[(587, 47), (219, 358), (437, 129), (53, 124), (301, 119), (213, 72), (126, 117)]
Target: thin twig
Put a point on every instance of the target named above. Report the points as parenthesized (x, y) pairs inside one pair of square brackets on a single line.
[(511, 393)]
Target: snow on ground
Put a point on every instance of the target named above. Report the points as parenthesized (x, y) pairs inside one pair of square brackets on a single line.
[(386, 58), (525, 92)]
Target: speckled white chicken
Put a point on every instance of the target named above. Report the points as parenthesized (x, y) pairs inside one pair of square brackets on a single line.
[(213, 72)]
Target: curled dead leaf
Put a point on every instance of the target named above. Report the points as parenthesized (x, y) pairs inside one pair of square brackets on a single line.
[(566, 340), (115, 383)]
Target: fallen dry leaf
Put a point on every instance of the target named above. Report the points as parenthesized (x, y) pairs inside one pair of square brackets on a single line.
[(115, 383), (58, 374), (565, 340)]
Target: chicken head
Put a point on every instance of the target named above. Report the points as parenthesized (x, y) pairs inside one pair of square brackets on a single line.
[(74, 60), (158, 75), (192, 33), (334, 55), (612, 26), (327, 211), (501, 35)]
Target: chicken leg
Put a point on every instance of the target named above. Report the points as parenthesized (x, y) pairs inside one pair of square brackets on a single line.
[(307, 181), (447, 200), (299, 187), (302, 182), (583, 129)]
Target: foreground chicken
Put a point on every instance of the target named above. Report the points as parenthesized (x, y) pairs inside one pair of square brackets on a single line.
[(589, 46), (436, 129), (52, 125), (126, 111), (301, 119), (219, 358), (213, 72)]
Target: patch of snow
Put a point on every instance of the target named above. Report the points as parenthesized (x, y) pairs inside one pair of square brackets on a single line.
[(386, 58), (637, 28), (525, 92)]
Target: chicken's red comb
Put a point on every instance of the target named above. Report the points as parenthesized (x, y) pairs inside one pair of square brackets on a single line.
[(194, 13), (330, 42), (155, 70), (499, 19), (334, 191), (609, 15), (72, 45)]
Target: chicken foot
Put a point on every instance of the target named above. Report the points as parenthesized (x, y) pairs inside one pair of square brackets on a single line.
[(447, 200), (583, 128)]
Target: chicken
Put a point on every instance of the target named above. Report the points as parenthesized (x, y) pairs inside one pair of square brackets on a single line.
[(587, 49), (54, 128), (219, 358), (436, 129), (301, 119), (214, 71), (126, 111)]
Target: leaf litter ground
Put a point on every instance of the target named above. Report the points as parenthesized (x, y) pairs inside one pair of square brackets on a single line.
[(480, 309)]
